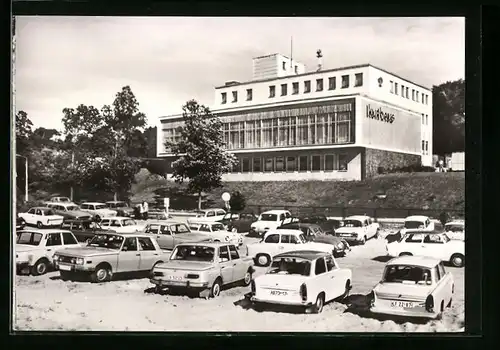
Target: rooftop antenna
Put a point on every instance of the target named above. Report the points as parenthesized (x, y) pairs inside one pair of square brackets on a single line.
[(291, 51), (319, 55)]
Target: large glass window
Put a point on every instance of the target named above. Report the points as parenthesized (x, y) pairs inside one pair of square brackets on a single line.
[(329, 162), (343, 127), (312, 130), (284, 128), (257, 165), (236, 168), (293, 133), (303, 163), (291, 163), (316, 163), (269, 165), (321, 128), (303, 130), (246, 165), (280, 164), (343, 161), (267, 133), (250, 135), (275, 131)]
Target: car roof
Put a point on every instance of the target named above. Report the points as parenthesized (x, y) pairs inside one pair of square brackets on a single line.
[(357, 217), (434, 232), (456, 222), (283, 231), (164, 222), (94, 203), (50, 230), (115, 202), (206, 244), (116, 217), (275, 211), (48, 208), (298, 224), (416, 217), (304, 254), (207, 209), (415, 260)]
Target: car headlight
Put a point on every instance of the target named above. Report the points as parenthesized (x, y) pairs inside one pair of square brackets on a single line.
[(56, 257), (340, 245), (79, 261)]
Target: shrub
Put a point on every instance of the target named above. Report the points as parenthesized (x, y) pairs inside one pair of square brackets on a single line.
[(237, 201), (444, 217), (414, 168)]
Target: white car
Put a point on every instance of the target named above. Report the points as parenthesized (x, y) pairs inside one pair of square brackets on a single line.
[(455, 229), (301, 278), (270, 220), (35, 249), (68, 210), (214, 214), (216, 231), (413, 286), (60, 200), (282, 241), (418, 222), (120, 224), (98, 210), (42, 217), (430, 244), (358, 229)]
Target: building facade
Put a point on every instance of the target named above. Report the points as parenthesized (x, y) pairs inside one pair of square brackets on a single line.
[(347, 123)]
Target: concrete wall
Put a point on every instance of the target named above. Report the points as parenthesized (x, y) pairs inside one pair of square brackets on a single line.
[(375, 158)]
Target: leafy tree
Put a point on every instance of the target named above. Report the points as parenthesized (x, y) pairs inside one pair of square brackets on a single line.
[(449, 117), (23, 132), (237, 201), (201, 152)]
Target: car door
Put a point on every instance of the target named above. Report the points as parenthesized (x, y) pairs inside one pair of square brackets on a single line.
[(205, 230), (335, 285), (285, 244), (69, 240), (239, 269), (29, 217), (412, 244), (271, 244), (148, 252), (226, 265), (322, 280), (53, 244), (129, 256), (433, 246), (165, 238)]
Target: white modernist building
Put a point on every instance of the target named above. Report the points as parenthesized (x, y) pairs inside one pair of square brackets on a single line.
[(346, 123)]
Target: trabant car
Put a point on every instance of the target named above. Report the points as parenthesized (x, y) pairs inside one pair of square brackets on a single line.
[(304, 278), (121, 224), (455, 229), (216, 231), (419, 223), (270, 220), (97, 210), (413, 286), (203, 267), (212, 214), (42, 217), (358, 229)]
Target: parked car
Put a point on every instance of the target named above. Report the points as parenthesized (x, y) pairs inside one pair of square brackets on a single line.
[(455, 229), (158, 215), (302, 278), (108, 254), (121, 224), (170, 233), (41, 217), (418, 222), (413, 286), (97, 210), (20, 222), (212, 214), (216, 231), (329, 226), (314, 233), (203, 266), (84, 230), (35, 248), (270, 220), (68, 210), (358, 229), (60, 200), (431, 244), (121, 208), (281, 241), (239, 222)]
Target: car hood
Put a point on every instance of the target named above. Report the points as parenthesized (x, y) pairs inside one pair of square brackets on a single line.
[(405, 290), (348, 230), (322, 247), (184, 265), (192, 237), (288, 282), (88, 251), (21, 248), (327, 239), (78, 213)]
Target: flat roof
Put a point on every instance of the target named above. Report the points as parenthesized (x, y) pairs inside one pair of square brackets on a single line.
[(325, 71), (415, 260)]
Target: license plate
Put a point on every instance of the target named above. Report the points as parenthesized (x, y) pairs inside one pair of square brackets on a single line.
[(402, 304), (175, 278), (65, 267), (278, 293)]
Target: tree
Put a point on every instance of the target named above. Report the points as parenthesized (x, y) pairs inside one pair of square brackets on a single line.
[(201, 152), (449, 117), (23, 132), (237, 201)]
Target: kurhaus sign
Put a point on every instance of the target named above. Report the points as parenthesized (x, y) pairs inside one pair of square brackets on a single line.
[(379, 114)]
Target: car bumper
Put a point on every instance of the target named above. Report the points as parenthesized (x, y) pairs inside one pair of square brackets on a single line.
[(73, 267), (250, 296), (403, 313), (184, 284), (22, 265)]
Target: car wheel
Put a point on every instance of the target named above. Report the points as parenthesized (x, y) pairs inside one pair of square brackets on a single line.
[(441, 311), (457, 260), (40, 268), (39, 224), (318, 305), (247, 279), (65, 275), (262, 260), (101, 274), (216, 287)]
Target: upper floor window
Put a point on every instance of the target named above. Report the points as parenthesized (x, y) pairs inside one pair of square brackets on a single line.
[(223, 96), (319, 84), (332, 83), (284, 65), (345, 81), (249, 94), (423, 119), (392, 86), (296, 69), (284, 89), (413, 94), (272, 91), (235, 96), (407, 92), (358, 79), (417, 98), (426, 119), (295, 88), (396, 88), (402, 90), (307, 86), (426, 99)]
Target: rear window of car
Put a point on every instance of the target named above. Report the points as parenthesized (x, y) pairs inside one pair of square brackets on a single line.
[(269, 217), (414, 224)]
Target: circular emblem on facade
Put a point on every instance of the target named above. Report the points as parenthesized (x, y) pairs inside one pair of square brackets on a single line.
[(380, 82)]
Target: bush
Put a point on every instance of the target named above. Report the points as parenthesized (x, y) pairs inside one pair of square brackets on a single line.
[(414, 168), (237, 201), (444, 217)]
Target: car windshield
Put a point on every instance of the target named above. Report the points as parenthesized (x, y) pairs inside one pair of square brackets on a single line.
[(128, 222), (414, 224), (100, 206), (72, 207), (290, 266), (217, 227), (30, 238), (269, 217), (352, 223), (454, 227), (106, 241), (193, 253), (407, 274)]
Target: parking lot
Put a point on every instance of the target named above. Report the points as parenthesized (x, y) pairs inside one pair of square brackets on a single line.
[(47, 303)]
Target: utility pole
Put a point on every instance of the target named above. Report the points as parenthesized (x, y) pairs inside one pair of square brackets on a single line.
[(72, 168), (26, 176)]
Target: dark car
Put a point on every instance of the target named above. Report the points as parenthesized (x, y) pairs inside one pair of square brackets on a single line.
[(314, 233), (121, 207), (20, 223), (327, 225), (239, 222), (84, 230)]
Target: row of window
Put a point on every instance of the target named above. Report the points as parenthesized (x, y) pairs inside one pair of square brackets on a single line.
[(425, 119), (425, 147), (300, 163), (405, 93), (283, 65), (332, 85)]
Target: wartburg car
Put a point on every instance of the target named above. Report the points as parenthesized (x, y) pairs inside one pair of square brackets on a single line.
[(413, 287), (42, 217), (203, 267), (121, 207), (170, 233), (307, 279), (121, 224), (270, 220), (358, 229), (109, 253)]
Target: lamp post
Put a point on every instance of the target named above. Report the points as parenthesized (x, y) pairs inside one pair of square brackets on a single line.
[(26, 176)]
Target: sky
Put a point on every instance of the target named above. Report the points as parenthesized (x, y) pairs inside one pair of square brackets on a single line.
[(66, 61)]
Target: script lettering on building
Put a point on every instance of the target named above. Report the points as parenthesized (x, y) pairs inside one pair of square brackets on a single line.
[(379, 114)]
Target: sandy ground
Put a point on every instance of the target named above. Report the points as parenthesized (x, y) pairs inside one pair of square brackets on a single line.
[(47, 303)]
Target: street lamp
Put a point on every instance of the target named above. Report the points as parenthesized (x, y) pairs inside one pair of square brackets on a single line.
[(26, 176)]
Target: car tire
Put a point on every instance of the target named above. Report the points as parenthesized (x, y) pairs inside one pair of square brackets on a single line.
[(216, 288), (247, 279), (101, 274), (262, 260), (40, 268), (457, 260), (65, 275), (39, 224), (317, 308)]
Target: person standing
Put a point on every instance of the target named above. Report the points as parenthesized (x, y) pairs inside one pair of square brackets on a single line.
[(145, 207), (141, 211)]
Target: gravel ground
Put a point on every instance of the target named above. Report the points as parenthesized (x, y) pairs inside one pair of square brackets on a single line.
[(47, 303)]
